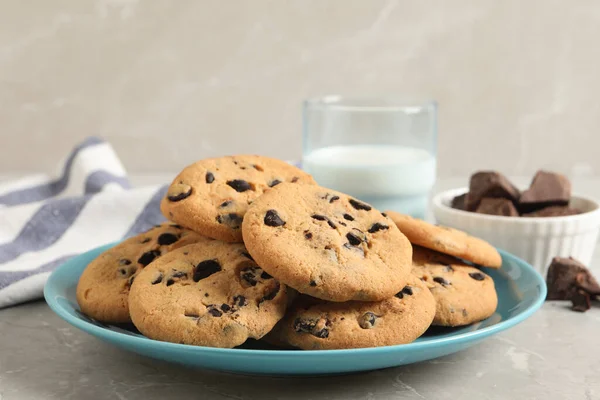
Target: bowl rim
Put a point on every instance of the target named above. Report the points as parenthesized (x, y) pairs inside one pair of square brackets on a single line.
[(439, 204)]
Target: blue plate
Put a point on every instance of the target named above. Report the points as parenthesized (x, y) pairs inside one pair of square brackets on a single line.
[(521, 291)]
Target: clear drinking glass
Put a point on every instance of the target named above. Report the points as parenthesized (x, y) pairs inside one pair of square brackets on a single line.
[(379, 150)]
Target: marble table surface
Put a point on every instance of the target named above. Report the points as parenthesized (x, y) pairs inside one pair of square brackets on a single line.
[(553, 355)]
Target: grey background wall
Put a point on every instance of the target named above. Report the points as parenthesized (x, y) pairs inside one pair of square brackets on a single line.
[(168, 82)]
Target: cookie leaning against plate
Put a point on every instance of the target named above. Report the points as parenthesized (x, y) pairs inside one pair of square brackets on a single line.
[(463, 294), (207, 294), (103, 288), (313, 324), (447, 240), (326, 244), (211, 196)]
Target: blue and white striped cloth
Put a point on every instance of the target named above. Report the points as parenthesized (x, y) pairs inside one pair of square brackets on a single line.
[(45, 220)]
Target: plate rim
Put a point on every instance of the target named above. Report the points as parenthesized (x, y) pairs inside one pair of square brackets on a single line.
[(50, 293)]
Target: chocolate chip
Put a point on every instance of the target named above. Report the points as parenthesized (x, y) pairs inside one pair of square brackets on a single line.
[(308, 235), (258, 168), (449, 267), (367, 320), (313, 283), (322, 334), (214, 311), (334, 198), (148, 257), (353, 239), (145, 240), (170, 282), (178, 192), (295, 179), (251, 275), (131, 280), (179, 274), (348, 217), (239, 185), (264, 275), (441, 280), (359, 206), (205, 269), (324, 218), (310, 326), (273, 219), (225, 203), (167, 238), (191, 315), (342, 223), (274, 182), (157, 280), (377, 227), (407, 290), (247, 255), (478, 276), (210, 178), (239, 300), (124, 261), (233, 220), (225, 307), (384, 215), (271, 295)]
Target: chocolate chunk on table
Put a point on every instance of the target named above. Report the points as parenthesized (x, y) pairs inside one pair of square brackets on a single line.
[(546, 189), (553, 211), (489, 184), (458, 202), (497, 206), (568, 279)]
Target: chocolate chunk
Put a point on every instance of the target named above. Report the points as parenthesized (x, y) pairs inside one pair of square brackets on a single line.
[(179, 274), (377, 227), (407, 290), (233, 220), (353, 239), (274, 182), (546, 189), (348, 217), (384, 215), (359, 206), (239, 300), (178, 192), (167, 238), (367, 320), (145, 240), (273, 219), (158, 279), (313, 283), (170, 282), (315, 328), (342, 223), (271, 295), (489, 184), (253, 274), (324, 218), (225, 307), (215, 312), (226, 203), (334, 198), (566, 277), (553, 211), (441, 280), (210, 178), (478, 276), (497, 206), (148, 257), (458, 202), (308, 235), (240, 185), (124, 261), (205, 269)]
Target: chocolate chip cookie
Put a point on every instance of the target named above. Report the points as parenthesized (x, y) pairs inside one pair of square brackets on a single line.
[(463, 294), (212, 195), (209, 294), (103, 288), (447, 240), (313, 324), (326, 244)]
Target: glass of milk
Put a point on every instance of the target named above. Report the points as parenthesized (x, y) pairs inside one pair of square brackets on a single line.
[(379, 150)]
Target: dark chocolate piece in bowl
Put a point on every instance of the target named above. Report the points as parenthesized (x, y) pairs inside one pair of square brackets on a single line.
[(546, 189), (458, 202), (554, 211), (568, 279), (489, 184), (497, 206)]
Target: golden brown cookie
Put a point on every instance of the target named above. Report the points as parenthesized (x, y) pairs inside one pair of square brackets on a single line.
[(463, 294), (326, 244), (103, 288), (447, 240), (209, 294), (313, 324), (211, 196)]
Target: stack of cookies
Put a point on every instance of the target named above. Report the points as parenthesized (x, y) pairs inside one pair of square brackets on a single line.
[(254, 248)]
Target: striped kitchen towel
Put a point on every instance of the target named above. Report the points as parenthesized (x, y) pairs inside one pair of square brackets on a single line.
[(45, 220)]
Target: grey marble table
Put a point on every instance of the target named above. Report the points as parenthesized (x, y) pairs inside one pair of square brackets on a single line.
[(553, 355)]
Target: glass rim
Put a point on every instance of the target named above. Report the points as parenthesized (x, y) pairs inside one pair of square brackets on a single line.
[(370, 103)]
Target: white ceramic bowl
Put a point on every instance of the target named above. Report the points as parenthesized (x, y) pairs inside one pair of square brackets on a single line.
[(535, 240)]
